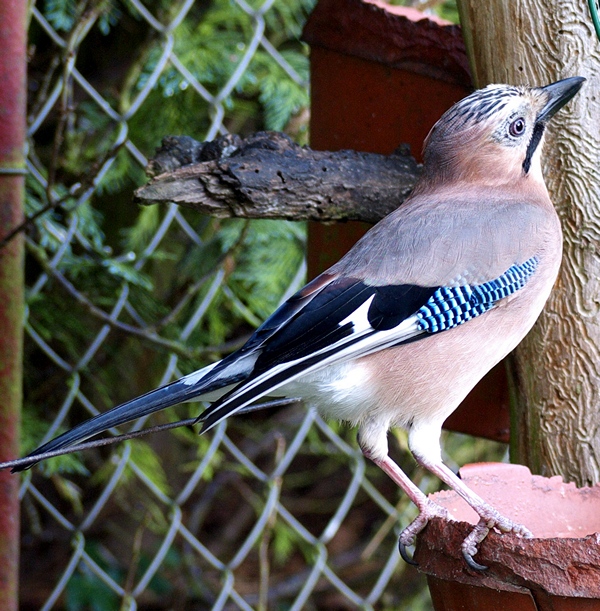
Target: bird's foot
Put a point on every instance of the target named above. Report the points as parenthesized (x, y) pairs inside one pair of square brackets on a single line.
[(489, 518), (409, 534)]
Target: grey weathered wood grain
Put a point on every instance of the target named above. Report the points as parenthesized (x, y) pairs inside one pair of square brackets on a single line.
[(268, 176)]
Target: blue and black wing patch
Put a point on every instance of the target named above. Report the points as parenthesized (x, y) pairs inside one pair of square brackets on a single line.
[(449, 307)]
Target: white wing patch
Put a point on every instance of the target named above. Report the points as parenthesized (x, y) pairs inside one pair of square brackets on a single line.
[(359, 318)]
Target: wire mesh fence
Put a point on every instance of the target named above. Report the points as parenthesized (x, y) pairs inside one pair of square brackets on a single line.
[(269, 511)]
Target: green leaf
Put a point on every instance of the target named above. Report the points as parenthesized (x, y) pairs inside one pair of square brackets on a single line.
[(61, 13)]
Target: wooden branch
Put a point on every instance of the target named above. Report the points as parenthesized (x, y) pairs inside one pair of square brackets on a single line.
[(268, 176)]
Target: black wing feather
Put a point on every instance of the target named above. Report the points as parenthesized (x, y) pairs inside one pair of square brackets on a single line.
[(317, 325), (395, 303)]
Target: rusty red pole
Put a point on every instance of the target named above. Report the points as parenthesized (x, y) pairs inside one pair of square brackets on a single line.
[(12, 137)]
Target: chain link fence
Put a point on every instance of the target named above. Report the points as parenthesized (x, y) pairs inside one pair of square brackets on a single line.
[(273, 510)]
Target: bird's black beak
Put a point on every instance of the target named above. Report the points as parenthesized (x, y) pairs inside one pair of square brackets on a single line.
[(559, 94)]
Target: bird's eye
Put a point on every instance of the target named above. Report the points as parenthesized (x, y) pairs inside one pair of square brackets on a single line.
[(517, 127)]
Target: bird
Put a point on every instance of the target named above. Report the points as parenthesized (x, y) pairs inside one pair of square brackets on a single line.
[(400, 329)]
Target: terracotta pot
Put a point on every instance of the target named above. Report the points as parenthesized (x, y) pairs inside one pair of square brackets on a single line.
[(557, 570)]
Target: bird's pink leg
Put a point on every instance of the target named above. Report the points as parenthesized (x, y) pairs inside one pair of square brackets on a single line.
[(427, 508), (488, 516)]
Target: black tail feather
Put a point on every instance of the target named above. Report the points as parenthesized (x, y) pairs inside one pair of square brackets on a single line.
[(156, 400)]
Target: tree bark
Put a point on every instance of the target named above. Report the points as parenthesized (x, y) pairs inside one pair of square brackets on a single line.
[(268, 176), (556, 370)]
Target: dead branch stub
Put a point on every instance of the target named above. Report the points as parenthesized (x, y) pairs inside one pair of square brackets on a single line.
[(266, 175)]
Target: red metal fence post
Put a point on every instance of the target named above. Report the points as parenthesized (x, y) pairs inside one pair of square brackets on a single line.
[(12, 136)]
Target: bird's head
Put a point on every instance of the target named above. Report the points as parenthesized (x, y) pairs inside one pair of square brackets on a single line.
[(495, 135)]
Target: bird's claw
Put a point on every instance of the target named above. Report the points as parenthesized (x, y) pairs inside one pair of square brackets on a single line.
[(490, 519), (473, 564), (405, 555), (409, 534)]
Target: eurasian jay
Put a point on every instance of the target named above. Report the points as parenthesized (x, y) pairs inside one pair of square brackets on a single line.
[(430, 299)]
